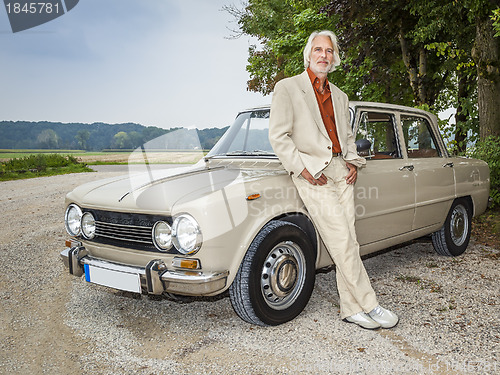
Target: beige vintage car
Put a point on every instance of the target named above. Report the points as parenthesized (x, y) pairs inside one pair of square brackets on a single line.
[(235, 221)]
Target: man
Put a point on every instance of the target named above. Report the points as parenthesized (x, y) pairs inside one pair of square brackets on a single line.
[(310, 132)]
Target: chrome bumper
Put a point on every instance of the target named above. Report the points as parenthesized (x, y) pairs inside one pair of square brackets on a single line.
[(155, 278)]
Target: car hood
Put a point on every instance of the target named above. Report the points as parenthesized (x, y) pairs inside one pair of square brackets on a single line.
[(158, 191)]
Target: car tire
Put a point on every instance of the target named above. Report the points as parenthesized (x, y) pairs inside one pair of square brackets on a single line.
[(453, 238), (276, 277)]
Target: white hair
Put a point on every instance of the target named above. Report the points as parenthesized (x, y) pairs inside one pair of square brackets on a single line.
[(308, 48)]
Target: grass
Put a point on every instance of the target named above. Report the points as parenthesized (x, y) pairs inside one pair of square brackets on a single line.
[(11, 154), (38, 165), (21, 164), (113, 157)]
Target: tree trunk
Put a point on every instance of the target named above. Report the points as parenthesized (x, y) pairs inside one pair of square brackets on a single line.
[(422, 75), (410, 68), (486, 54), (461, 117), (416, 66)]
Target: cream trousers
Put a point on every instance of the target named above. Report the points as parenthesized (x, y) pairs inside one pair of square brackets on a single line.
[(331, 207)]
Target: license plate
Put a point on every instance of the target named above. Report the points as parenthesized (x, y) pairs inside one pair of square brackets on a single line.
[(129, 282)]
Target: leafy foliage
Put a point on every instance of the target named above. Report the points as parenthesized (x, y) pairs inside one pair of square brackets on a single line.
[(40, 165), (396, 51), (489, 151), (496, 21)]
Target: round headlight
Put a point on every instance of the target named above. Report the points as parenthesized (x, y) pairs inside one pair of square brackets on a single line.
[(88, 225), (72, 219), (162, 236), (186, 234)]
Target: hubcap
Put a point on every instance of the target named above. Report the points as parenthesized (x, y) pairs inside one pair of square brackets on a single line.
[(459, 225), (283, 275)]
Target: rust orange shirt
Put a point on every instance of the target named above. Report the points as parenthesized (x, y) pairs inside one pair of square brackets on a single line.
[(326, 109)]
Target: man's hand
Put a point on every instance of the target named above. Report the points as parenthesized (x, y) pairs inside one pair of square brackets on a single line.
[(309, 177), (352, 175)]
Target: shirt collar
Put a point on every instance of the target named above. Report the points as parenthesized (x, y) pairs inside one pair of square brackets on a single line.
[(315, 80)]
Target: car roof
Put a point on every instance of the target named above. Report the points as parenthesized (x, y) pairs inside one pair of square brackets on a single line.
[(353, 104)]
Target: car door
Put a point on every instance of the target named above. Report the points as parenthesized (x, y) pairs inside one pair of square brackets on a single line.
[(385, 189), (434, 171)]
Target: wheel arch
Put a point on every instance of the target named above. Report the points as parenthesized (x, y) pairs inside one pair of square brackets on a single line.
[(304, 223), (453, 237), (470, 202)]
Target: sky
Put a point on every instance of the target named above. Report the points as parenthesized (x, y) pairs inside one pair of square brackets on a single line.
[(165, 63)]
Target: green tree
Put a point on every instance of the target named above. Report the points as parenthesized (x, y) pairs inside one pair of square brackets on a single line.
[(486, 54), (446, 31), (135, 139), (82, 136), (121, 140), (152, 132), (372, 66), (48, 139), (434, 54), (496, 21)]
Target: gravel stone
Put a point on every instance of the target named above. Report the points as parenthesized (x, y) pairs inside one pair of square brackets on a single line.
[(54, 323)]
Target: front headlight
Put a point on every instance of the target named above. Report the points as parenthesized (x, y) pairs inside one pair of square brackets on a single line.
[(88, 225), (72, 219), (186, 234), (162, 236)]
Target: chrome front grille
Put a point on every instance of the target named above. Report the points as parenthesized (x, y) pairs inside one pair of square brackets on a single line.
[(124, 232)]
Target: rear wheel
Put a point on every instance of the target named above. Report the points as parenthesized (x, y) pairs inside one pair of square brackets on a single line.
[(276, 278), (453, 238)]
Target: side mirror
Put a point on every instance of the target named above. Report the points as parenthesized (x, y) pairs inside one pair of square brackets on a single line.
[(363, 145)]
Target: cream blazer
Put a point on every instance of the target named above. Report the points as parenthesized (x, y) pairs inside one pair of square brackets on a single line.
[(296, 130)]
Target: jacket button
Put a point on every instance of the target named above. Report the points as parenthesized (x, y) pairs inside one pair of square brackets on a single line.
[(329, 147), (326, 163), (291, 173)]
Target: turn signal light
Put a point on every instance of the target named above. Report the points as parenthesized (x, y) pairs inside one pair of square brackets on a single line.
[(71, 243), (253, 196), (191, 264)]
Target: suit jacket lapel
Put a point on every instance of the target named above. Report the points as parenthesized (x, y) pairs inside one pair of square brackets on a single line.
[(312, 102)]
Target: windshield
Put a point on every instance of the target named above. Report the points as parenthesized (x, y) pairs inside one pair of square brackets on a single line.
[(247, 136)]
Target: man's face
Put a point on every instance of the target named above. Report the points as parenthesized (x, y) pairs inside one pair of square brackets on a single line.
[(321, 55)]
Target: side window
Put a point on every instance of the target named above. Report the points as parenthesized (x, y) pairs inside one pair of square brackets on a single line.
[(378, 129), (420, 142)]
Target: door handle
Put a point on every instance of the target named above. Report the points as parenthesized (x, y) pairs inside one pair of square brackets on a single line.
[(450, 164), (407, 167)]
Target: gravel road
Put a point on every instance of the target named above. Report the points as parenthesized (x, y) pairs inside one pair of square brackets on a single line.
[(54, 323)]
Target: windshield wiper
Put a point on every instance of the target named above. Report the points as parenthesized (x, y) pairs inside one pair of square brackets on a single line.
[(251, 153), (243, 153), (207, 158)]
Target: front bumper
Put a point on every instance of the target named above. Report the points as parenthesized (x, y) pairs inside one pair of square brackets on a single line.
[(155, 278)]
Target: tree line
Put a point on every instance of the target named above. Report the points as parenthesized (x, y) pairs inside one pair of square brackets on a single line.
[(90, 137)]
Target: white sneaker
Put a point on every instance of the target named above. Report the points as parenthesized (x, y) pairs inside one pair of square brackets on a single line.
[(386, 318), (362, 320)]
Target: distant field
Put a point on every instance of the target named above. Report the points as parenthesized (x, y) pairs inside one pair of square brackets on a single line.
[(114, 156)]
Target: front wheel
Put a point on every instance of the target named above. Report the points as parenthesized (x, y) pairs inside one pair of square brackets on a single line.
[(276, 277), (453, 238)]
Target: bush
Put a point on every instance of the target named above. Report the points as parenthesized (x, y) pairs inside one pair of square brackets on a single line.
[(489, 151), (40, 165)]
